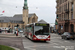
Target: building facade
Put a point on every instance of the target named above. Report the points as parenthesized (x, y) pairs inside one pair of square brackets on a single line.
[(56, 24), (19, 19), (66, 15)]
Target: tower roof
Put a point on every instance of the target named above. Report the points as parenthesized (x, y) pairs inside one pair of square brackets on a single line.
[(25, 4)]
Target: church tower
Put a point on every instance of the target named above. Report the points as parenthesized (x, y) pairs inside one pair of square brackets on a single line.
[(25, 13)]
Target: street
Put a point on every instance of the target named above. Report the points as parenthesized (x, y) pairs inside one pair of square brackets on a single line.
[(11, 40), (42, 20), (56, 43)]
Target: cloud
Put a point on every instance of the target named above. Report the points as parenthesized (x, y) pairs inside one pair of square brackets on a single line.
[(44, 9)]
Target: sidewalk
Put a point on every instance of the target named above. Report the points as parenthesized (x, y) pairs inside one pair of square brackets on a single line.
[(10, 39), (9, 35)]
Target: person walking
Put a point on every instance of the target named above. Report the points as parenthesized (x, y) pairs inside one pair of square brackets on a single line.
[(0, 30), (17, 32)]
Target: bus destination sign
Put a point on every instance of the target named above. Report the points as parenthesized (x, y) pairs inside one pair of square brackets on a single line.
[(39, 24)]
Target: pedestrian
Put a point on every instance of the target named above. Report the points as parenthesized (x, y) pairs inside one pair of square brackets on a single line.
[(17, 32), (10, 30), (0, 30), (5, 30)]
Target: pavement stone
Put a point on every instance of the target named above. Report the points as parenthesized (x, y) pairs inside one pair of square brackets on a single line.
[(15, 48), (12, 40), (9, 35)]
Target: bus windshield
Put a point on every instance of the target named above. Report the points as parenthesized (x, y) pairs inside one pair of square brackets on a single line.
[(41, 30)]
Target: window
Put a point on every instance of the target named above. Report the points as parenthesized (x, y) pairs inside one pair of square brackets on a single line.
[(0, 20), (64, 16), (72, 7), (71, 15), (57, 16), (41, 30)]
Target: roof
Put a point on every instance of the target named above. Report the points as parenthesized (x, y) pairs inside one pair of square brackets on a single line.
[(42, 21), (11, 19), (20, 15), (30, 15), (16, 18)]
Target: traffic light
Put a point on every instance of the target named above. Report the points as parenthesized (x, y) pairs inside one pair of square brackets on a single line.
[(56, 23)]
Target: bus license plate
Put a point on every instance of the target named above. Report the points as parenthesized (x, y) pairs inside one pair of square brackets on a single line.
[(42, 40)]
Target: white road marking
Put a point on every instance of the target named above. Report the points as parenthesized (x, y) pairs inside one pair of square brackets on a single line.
[(61, 42), (33, 46), (55, 37), (55, 43), (66, 41), (65, 48), (56, 47), (36, 46), (29, 48)]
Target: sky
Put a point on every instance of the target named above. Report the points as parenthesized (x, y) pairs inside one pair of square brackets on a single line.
[(44, 9)]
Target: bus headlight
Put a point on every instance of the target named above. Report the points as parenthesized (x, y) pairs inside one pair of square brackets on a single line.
[(35, 38), (48, 37)]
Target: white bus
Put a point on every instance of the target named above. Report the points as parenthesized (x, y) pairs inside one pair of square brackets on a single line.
[(38, 31)]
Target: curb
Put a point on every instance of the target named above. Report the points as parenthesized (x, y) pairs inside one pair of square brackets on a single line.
[(15, 48), (9, 35)]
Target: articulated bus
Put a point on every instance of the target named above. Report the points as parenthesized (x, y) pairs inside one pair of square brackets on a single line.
[(38, 31)]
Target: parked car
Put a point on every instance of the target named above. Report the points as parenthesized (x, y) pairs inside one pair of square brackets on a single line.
[(67, 35)]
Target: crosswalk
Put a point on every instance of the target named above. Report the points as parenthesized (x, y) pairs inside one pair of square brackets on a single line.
[(56, 43)]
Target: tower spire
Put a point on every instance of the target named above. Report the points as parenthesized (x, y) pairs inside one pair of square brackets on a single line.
[(25, 4)]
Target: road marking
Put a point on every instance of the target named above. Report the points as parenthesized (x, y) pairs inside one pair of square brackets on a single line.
[(36, 46), (33, 46), (66, 41), (56, 47), (65, 48), (55, 43), (29, 48), (55, 37)]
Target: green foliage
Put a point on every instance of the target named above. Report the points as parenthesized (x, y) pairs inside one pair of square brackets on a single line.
[(2, 47)]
